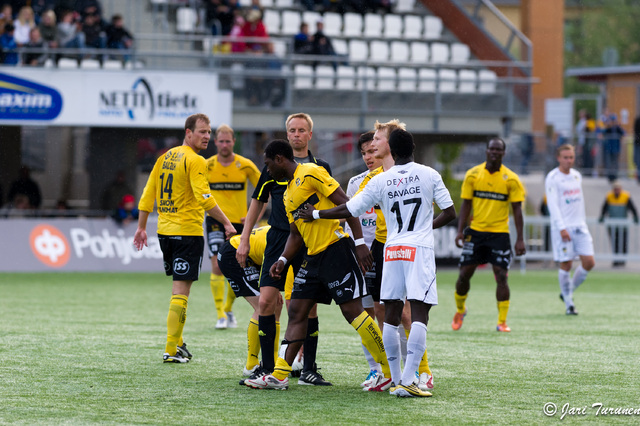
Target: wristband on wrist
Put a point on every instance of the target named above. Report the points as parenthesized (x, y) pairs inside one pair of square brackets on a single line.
[(360, 242), (283, 259), (316, 214)]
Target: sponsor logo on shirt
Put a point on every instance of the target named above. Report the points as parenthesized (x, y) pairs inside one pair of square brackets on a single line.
[(227, 186), (400, 253), (490, 195)]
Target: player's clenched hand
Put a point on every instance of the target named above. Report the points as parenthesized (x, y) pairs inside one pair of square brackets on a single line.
[(565, 235), (520, 248), (242, 252), (306, 212), (459, 239), (140, 239), (365, 259), (230, 231), (276, 269)]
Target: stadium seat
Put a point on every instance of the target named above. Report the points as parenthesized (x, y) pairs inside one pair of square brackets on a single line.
[(311, 18), (290, 22), (236, 77), (419, 52), (392, 26), (340, 46), (112, 64), (399, 51), (325, 77), (90, 64), (346, 77), (283, 4), (407, 80), (460, 53), (386, 79), (432, 27), (358, 50), (332, 24), (279, 47), (487, 80), (404, 6), (186, 20), (49, 63), (412, 26), (426, 80), (467, 80), (267, 3), (372, 25), (352, 25), (439, 53), (271, 21), (366, 78), (379, 51), (303, 77), (447, 80)]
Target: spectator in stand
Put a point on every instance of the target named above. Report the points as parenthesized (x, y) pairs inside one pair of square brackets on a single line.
[(70, 31), (319, 5), (88, 7), (220, 16), (127, 211), (236, 32), (321, 43), (618, 205), (117, 35), (41, 6), (6, 16), (24, 185), (255, 5), (612, 135), (93, 29), (303, 42), (115, 191), (49, 29), (23, 25), (254, 28), (37, 58), (7, 43)]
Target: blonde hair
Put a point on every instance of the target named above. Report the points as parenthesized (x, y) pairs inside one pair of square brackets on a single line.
[(225, 128), (564, 147), (51, 14), (390, 126), (302, 115), (23, 18)]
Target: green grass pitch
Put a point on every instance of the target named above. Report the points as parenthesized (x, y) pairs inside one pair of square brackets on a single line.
[(86, 348)]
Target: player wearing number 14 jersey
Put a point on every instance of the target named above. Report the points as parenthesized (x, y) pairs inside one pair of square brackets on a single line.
[(405, 193)]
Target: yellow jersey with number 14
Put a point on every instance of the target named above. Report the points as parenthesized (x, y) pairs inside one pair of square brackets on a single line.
[(179, 187)]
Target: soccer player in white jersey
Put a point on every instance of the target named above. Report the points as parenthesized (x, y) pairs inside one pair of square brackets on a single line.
[(405, 193), (570, 236)]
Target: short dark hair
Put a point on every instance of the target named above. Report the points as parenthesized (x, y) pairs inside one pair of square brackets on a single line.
[(364, 138), (504, 145), (401, 144), (279, 147), (190, 122)]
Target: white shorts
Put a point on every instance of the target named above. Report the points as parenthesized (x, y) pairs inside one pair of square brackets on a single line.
[(581, 244), (409, 272)]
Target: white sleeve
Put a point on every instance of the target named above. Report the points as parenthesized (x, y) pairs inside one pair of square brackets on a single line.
[(364, 200), (352, 188), (553, 203), (441, 194)]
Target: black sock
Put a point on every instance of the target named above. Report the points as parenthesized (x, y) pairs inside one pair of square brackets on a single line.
[(310, 345), (267, 334)]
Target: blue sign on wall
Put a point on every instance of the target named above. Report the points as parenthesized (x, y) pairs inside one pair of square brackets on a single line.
[(25, 100)]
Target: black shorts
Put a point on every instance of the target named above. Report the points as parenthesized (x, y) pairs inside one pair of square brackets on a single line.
[(182, 256), (331, 274), (373, 277), (216, 235), (486, 247), (276, 240), (243, 281)]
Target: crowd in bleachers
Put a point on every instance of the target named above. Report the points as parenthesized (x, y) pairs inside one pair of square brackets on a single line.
[(44, 26)]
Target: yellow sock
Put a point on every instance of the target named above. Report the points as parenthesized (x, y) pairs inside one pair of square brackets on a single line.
[(217, 289), (460, 302), (253, 345), (276, 341), (503, 310), (424, 361), (372, 340), (282, 369), (231, 297), (175, 322)]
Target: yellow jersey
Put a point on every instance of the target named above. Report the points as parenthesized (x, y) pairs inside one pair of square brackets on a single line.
[(228, 185), (178, 186), (257, 243), (381, 224), (313, 184), (491, 195)]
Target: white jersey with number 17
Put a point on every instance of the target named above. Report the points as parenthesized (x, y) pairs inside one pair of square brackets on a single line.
[(406, 194)]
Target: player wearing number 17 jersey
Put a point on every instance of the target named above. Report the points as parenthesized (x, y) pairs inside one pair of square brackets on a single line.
[(405, 193)]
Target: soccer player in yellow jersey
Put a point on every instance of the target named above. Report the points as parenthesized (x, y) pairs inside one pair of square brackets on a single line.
[(178, 186), (228, 174), (330, 270), (488, 189)]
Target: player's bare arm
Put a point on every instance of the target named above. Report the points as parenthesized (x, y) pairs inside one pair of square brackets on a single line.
[(339, 212), (218, 215), (140, 237), (291, 248), (465, 211), (253, 213), (517, 218), (445, 216)]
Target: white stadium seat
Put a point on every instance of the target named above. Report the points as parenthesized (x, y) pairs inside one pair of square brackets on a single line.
[(427, 80), (399, 51), (67, 63), (467, 81), (432, 27), (366, 75), (325, 76), (352, 25), (407, 80), (358, 50), (271, 21), (340, 46), (332, 24), (404, 5), (346, 77), (379, 51), (419, 52), (290, 22), (372, 25), (439, 53), (412, 26), (112, 64), (447, 79), (386, 79), (487, 80), (311, 18), (303, 77), (460, 53), (283, 4), (392, 26), (186, 20), (90, 64)]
